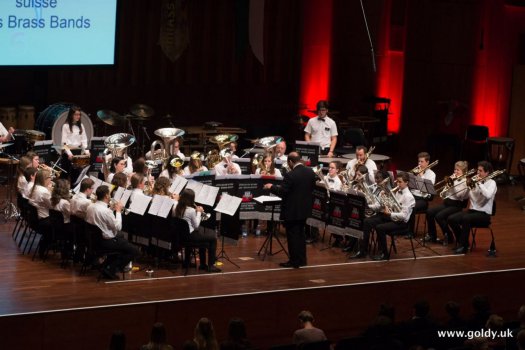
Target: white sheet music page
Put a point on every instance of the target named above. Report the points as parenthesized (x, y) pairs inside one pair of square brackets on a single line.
[(167, 204), (125, 197), (207, 195), (195, 186), (97, 182), (267, 199), (139, 204), (118, 193), (156, 203), (228, 204), (178, 184)]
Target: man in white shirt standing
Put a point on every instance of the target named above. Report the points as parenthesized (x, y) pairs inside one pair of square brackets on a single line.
[(322, 129), (99, 214)]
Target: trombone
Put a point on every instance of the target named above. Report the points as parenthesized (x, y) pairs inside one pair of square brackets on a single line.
[(417, 170), (448, 182)]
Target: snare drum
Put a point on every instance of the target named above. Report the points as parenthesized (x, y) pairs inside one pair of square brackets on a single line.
[(34, 135), (79, 162)]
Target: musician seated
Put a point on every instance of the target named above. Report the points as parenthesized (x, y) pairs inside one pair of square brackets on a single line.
[(174, 168), (100, 215), (233, 149), (60, 199), (481, 200), (361, 159), (137, 186), (21, 181), (29, 176), (227, 167), (118, 164), (388, 221), (119, 180), (162, 188), (361, 175), (82, 199), (280, 151), (455, 199), (129, 164), (187, 210), (174, 150), (333, 181), (195, 165), (40, 198), (266, 166), (35, 159), (422, 170)]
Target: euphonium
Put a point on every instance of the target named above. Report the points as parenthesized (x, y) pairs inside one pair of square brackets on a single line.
[(417, 170), (388, 199), (168, 136)]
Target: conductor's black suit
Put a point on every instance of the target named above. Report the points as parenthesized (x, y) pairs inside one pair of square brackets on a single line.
[(296, 192)]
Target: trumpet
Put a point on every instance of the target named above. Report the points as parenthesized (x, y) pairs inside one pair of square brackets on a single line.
[(417, 170), (54, 173)]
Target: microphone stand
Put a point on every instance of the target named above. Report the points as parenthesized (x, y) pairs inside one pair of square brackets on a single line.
[(369, 38)]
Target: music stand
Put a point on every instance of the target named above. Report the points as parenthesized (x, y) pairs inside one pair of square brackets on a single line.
[(228, 206), (268, 242)]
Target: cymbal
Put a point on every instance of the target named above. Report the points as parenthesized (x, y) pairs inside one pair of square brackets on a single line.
[(111, 118), (142, 110), (135, 118)]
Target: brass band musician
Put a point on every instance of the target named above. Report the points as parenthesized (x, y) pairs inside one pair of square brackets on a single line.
[(172, 170), (195, 165), (388, 221), (481, 201), (227, 167), (455, 201), (333, 181), (423, 171), (361, 159), (267, 166)]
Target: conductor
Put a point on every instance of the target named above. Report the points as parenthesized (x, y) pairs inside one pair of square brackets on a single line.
[(296, 193)]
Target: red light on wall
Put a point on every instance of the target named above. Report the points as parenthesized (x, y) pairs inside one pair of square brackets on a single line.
[(316, 53), (390, 84)]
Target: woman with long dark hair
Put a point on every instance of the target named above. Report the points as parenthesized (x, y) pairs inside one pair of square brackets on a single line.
[(191, 213), (74, 140)]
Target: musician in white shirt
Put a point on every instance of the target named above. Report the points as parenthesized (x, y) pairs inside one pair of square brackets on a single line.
[(137, 186), (174, 168), (40, 198), (192, 214), (118, 164), (74, 133), (29, 175), (266, 166), (481, 200), (362, 159), (82, 199), (227, 167), (280, 151), (455, 200), (422, 199), (60, 199), (333, 181), (388, 221), (195, 165), (100, 215), (21, 181), (322, 129)]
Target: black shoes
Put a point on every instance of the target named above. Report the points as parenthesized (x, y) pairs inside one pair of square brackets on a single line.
[(214, 269), (289, 264), (109, 273), (380, 257), (358, 255), (461, 250)]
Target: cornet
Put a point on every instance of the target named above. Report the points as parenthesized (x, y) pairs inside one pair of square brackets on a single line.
[(54, 173)]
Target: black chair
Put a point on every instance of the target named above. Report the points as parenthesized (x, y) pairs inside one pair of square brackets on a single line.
[(78, 226), (164, 242), (34, 228), (21, 220), (182, 231), (138, 228), (474, 229), (96, 256), (349, 139), (407, 232)]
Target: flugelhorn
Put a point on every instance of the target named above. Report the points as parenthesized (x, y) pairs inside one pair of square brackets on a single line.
[(417, 170), (204, 216)]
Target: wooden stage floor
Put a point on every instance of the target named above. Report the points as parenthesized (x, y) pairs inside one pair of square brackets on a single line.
[(31, 288)]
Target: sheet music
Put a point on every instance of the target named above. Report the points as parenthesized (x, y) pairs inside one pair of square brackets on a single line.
[(139, 204), (207, 195), (77, 187), (156, 203), (195, 186), (178, 184), (125, 197), (97, 182), (167, 204), (118, 193), (228, 204), (82, 175), (267, 199)]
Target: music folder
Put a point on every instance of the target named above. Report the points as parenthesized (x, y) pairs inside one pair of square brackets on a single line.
[(228, 204)]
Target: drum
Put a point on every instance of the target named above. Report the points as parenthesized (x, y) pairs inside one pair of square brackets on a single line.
[(20, 145), (79, 162), (51, 120), (8, 117), (26, 117), (35, 135)]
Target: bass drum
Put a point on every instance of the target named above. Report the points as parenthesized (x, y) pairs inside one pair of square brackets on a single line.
[(51, 120)]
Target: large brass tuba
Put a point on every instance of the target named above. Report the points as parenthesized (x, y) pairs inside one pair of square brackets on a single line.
[(168, 136), (117, 145)]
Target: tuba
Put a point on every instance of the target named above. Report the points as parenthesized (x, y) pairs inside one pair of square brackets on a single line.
[(168, 136), (117, 145), (223, 140)]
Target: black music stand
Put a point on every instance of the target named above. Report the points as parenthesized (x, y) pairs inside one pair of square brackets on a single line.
[(230, 217), (268, 242)]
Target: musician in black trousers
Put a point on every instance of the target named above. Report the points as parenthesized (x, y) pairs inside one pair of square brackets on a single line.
[(296, 193)]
